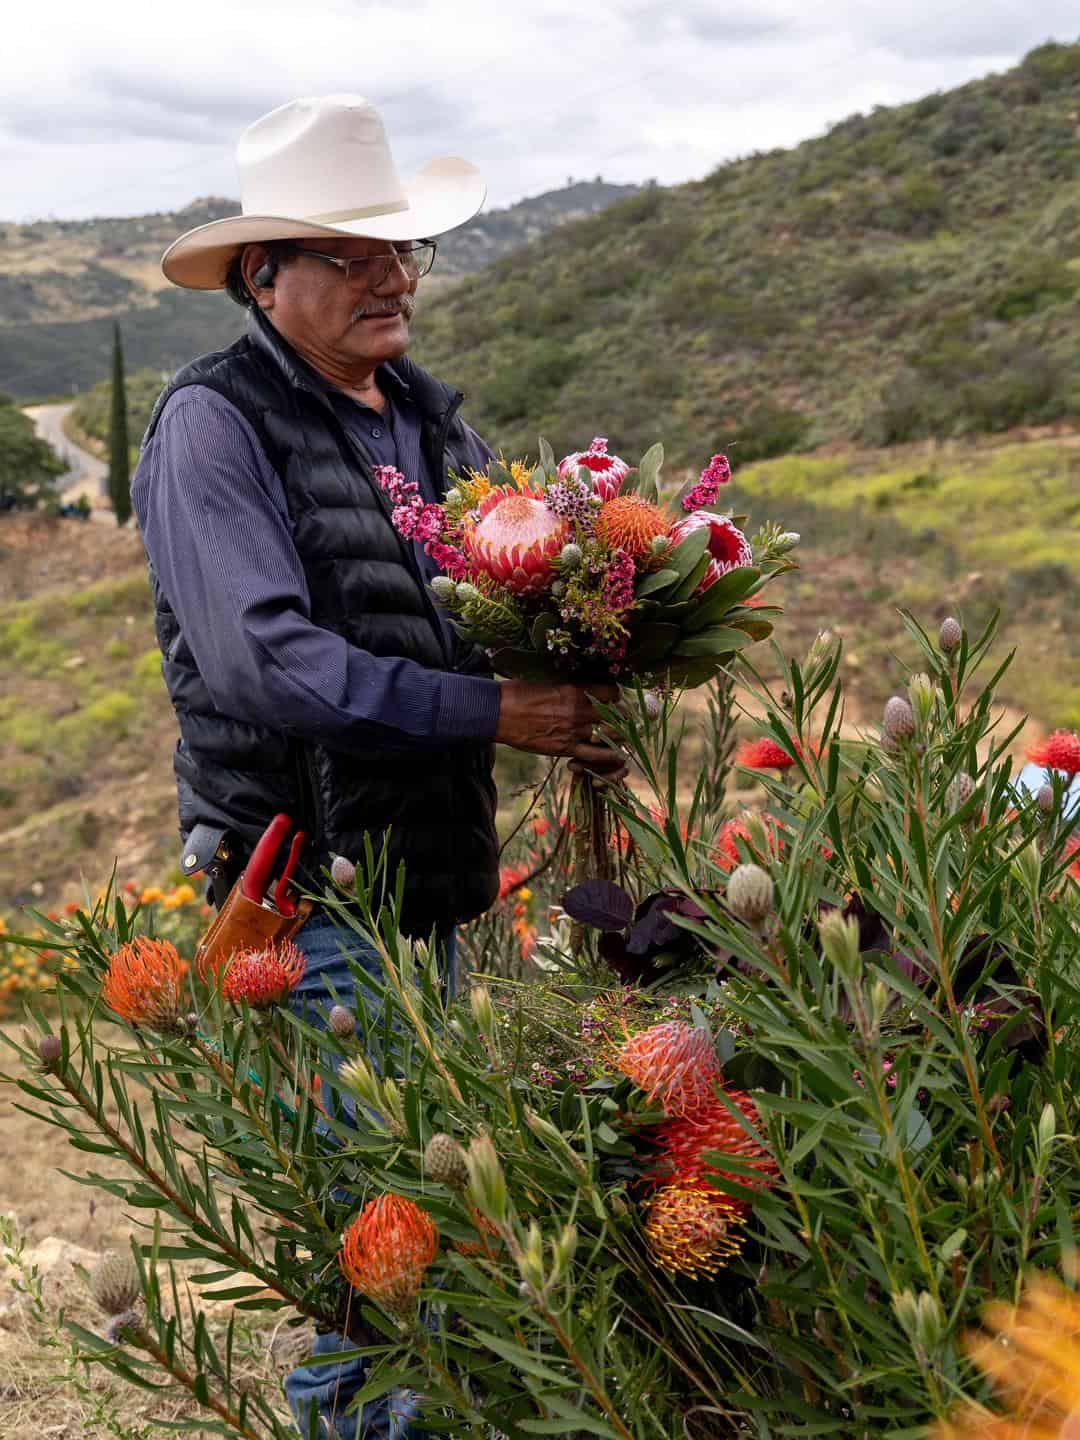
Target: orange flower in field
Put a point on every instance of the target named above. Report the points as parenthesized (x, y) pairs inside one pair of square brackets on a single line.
[(738, 828), (1072, 848), (71, 907), (151, 894), (145, 983), (685, 1143), (1060, 751), (263, 977), (674, 1063), (764, 754), (691, 1231), (386, 1250), (630, 523)]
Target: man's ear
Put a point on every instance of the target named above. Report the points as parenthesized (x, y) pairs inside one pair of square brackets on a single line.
[(259, 272)]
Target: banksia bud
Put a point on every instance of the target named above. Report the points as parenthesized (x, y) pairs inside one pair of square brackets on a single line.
[(961, 789), (750, 893), (1045, 799), (386, 1251), (840, 942), (950, 635), (487, 1183), (659, 544), (922, 692), (114, 1283), (482, 1009), (454, 496), (49, 1051), (444, 1161), (342, 1022), (358, 1077), (443, 588), (570, 557), (343, 872), (898, 722)]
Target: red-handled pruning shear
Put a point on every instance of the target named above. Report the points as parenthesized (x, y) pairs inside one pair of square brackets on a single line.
[(256, 874)]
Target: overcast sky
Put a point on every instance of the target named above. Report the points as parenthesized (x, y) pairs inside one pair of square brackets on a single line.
[(118, 108)]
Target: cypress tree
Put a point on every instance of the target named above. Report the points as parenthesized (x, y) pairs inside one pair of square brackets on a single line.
[(119, 459)]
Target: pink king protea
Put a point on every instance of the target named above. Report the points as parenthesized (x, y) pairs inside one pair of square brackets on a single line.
[(516, 539), (728, 546), (608, 471)]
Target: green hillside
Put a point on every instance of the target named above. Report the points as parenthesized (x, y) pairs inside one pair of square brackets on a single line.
[(913, 272), (64, 282)]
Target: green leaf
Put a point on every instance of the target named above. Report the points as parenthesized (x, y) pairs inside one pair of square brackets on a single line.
[(687, 553), (518, 664), (650, 644), (648, 475), (720, 640), (693, 580), (689, 674), (657, 581), (721, 596)]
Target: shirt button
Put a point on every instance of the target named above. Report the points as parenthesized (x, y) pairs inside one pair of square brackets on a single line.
[(376, 433)]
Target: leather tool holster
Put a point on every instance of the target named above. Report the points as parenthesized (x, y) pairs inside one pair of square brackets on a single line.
[(243, 924)]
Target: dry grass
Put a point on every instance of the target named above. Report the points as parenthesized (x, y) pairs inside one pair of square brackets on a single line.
[(64, 1223)]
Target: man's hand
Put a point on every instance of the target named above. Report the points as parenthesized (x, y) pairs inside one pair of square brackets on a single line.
[(559, 720)]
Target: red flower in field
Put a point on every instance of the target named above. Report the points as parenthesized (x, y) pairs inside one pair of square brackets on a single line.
[(692, 1231), (684, 1143), (1072, 848), (144, 983), (608, 471), (540, 825), (263, 977), (737, 828), (386, 1250), (1060, 751), (728, 546), (764, 754), (71, 907), (510, 876), (675, 1064), (515, 540)]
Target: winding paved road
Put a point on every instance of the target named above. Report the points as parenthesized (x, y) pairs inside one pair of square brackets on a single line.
[(86, 474)]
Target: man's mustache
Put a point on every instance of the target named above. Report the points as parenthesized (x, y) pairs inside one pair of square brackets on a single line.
[(403, 305)]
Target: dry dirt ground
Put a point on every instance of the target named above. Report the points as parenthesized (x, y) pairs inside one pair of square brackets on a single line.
[(65, 1224)]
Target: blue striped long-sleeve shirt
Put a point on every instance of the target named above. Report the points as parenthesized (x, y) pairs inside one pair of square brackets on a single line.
[(216, 526)]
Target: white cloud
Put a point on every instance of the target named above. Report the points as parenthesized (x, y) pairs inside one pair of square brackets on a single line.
[(127, 107)]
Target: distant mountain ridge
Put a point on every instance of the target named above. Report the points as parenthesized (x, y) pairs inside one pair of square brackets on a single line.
[(64, 282)]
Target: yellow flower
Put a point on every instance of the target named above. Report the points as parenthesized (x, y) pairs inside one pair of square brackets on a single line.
[(1031, 1353), (3, 925), (180, 895), (521, 472), (150, 894)]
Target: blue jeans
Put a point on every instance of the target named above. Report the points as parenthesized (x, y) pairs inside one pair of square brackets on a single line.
[(326, 1386)]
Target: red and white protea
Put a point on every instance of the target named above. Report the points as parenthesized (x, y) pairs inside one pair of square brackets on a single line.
[(516, 540), (608, 471), (728, 546)]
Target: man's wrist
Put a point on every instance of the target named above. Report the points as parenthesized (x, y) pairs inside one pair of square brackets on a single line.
[(469, 708)]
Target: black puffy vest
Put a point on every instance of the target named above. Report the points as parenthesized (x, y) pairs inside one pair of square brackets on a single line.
[(433, 806)]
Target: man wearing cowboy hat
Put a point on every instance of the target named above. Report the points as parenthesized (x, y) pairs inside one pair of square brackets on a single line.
[(308, 667)]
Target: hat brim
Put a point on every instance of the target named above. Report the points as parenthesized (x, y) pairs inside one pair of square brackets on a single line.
[(446, 193)]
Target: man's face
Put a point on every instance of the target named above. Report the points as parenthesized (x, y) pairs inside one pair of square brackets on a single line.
[(343, 324)]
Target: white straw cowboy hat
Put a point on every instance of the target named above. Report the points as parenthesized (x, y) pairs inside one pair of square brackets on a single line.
[(321, 168)]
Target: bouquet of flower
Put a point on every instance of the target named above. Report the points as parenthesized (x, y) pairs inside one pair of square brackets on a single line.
[(578, 571)]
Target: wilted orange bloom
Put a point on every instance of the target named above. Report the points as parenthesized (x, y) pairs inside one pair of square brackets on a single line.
[(692, 1231), (145, 983), (674, 1063), (263, 977), (684, 1145), (386, 1251), (488, 1232), (765, 754), (1059, 751), (1031, 1353)]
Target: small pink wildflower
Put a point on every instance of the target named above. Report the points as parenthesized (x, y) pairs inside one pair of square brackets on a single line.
[(705, 492), (619, 582), (449, 559)]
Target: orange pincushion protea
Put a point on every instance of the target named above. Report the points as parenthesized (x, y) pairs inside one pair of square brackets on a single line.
[(674, 1063), (516, 540), (263, 977), (630, 523), (692, 1231), (387, 1249), (684, 1145), (145, 983), (1060, 751)]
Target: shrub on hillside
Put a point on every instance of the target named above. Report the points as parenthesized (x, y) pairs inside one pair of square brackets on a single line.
[(28, 466)]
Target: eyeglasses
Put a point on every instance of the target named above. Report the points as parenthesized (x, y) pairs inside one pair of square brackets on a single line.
[(415, 260)]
